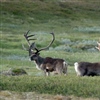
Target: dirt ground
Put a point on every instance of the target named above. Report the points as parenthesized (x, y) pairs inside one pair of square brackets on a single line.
[(10, 95)]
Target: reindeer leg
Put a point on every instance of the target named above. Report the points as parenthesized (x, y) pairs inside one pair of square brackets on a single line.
[(47, 72), (65, 68), (65, 71)]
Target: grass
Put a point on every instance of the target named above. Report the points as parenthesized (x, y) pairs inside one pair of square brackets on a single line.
[(81, 87), (51, 15), (76, 27), (65, 85)]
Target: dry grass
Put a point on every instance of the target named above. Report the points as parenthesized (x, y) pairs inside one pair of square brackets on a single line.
[(8, 95)]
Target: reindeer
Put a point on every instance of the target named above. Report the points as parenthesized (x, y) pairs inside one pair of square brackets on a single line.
[(98, 47), (87, 68), (47, 64)]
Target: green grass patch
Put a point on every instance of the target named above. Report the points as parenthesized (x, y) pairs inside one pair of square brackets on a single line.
[(65, 85)]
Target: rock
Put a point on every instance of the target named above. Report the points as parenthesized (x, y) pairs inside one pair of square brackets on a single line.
[(14, 72)]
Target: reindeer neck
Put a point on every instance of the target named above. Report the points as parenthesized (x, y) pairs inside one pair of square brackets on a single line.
[(38, 62)]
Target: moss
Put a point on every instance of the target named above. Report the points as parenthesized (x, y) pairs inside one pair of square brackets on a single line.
[(19, 71)]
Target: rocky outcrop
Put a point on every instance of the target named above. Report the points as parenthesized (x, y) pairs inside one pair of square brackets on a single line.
[(14, 72)]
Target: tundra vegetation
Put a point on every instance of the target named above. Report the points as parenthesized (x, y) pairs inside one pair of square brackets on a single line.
[(76, 25)]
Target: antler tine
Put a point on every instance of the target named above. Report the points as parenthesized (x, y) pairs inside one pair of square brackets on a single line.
[(24, 47), (28, 36), (25, 35), (53, 38)]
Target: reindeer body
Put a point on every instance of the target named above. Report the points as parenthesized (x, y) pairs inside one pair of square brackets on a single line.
[(87, 68), (49, 64)]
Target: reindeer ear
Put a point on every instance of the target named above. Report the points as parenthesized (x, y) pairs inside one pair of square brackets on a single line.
[(32, 46)]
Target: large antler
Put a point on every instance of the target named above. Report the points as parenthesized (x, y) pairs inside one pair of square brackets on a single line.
[(98, 47), (53, 38), (32, 46), (27, 37)]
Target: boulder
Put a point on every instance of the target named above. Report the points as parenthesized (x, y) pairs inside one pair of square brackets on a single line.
[(14, 72)]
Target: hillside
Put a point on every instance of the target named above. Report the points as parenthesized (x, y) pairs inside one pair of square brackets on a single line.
[(52, 14), (60, 16)]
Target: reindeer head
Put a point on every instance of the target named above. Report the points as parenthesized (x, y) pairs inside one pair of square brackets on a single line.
[(34, 52)]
